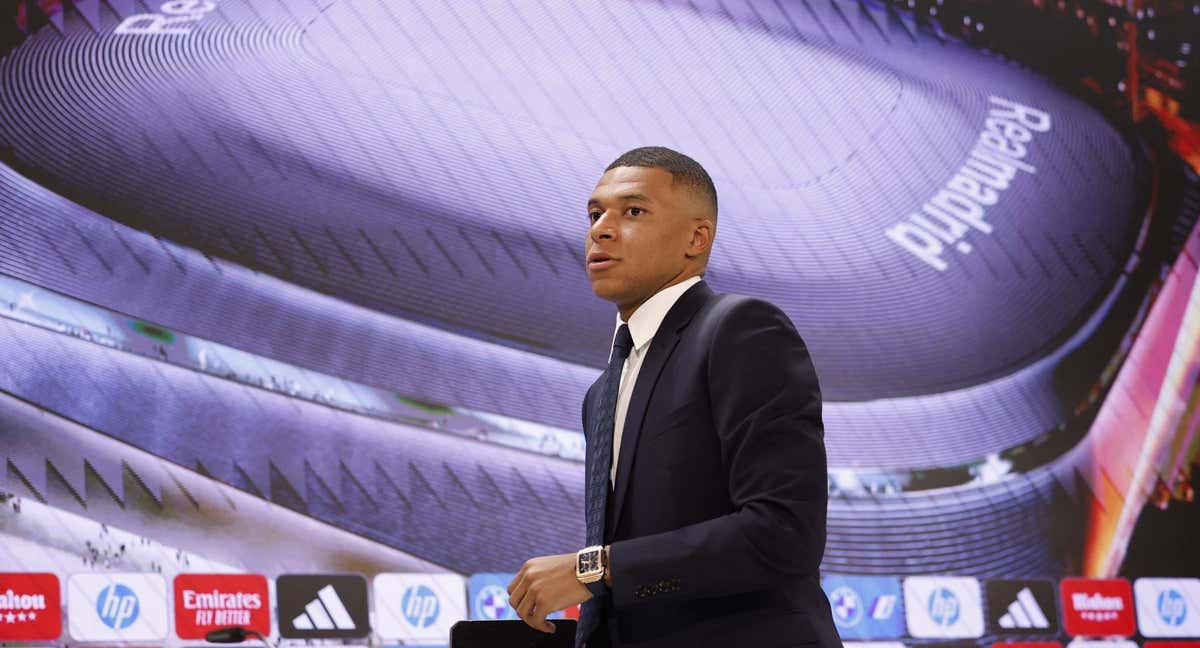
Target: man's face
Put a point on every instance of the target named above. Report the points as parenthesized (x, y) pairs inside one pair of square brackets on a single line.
[(640, 235)]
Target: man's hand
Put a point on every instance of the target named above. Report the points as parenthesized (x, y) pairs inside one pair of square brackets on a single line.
[(546, 585)]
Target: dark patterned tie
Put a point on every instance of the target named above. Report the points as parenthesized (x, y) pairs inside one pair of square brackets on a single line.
[(599, 466)]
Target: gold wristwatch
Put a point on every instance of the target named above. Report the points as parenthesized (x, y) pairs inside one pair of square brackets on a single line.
[(591, 566)]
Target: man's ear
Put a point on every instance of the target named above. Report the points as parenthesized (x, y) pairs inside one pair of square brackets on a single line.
[(702, 237)]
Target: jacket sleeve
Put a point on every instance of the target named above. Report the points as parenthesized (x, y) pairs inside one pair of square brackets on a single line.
[(766, 408)]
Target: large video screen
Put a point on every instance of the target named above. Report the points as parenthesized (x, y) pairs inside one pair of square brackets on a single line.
[(295, 328)]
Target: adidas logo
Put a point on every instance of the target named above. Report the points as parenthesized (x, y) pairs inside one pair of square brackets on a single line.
[(326, 612), (1024, 613)]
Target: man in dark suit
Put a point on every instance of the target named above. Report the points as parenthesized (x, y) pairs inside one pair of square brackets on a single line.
[(705, 473)]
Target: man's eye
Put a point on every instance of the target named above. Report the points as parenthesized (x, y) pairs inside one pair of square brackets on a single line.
[(634, 211), (594, 216)]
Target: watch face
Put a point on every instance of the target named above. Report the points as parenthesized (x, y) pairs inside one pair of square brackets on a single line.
[(589, 562)]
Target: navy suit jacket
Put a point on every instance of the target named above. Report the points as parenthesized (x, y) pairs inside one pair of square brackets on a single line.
[(717, 516)]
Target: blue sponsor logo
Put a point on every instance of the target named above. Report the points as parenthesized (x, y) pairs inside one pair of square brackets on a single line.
[(420, 606), (1172, 607), (491, 603), (488, 594), (847, 606), (489, 597), (943, 607), (865, 607), (117, 606)]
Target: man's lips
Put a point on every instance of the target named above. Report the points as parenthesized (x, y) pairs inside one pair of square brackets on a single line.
[(600, 261)]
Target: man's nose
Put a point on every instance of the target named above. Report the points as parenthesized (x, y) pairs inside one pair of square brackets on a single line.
[(602, 228)]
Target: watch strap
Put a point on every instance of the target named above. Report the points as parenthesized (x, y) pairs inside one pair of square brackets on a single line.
[(597, 588)]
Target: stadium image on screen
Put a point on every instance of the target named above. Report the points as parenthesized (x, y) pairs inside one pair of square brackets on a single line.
[(295, 291)]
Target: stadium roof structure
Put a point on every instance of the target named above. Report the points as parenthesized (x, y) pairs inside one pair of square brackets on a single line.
[(432, 162)]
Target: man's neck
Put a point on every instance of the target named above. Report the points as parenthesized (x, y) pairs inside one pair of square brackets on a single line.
[(628, 311)]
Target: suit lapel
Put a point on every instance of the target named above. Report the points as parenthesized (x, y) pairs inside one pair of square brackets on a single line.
[(661, 347)]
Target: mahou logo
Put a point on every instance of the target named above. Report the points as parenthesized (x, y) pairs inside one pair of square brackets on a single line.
[(1097, 608), (30, 609), (206, 602)]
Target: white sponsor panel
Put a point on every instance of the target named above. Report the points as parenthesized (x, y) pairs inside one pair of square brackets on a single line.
[(117, 607), (419, 607), (1168, 607), (943, 607)]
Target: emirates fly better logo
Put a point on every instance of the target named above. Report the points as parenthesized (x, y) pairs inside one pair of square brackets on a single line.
[(206, 602)]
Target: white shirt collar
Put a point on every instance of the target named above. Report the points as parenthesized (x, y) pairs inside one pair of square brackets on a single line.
[(644, 322)]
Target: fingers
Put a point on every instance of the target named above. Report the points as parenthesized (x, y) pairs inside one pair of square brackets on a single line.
[(526, 607), (524, 599), (535, 616), (539, 622), (533, 592), (517, 589), (516, 581)]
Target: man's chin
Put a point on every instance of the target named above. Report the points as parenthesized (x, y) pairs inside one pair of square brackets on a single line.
[(608, 290)]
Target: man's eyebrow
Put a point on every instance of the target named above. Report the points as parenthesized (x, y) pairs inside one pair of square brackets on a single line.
[(624, 198)]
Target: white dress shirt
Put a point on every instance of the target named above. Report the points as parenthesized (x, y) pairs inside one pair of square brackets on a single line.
[(643, 324)]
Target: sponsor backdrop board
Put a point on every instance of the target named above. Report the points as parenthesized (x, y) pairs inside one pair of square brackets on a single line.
[(866, 607), (205, 602), (117, 607), (1097, 607), (30, 609), (487, 596), (943, 607), (295, 292), (1168, 607), (323, 606), (419, 607), (1022, 607)]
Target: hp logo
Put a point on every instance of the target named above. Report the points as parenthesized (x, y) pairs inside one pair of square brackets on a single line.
[(943, 607), (1172, 607), (420, 606), (117, 606)]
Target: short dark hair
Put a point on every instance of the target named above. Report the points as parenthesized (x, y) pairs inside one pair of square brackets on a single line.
[(682, 168)]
